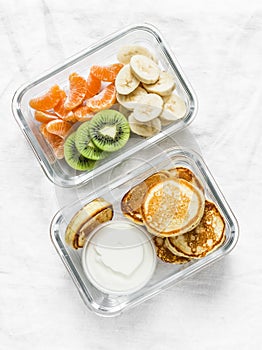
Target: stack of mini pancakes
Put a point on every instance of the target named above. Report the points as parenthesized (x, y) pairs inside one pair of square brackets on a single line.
[(171, 204)]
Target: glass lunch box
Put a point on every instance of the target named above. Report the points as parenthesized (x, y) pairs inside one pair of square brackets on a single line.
[(165, 274), (103, 53), (119, 172)]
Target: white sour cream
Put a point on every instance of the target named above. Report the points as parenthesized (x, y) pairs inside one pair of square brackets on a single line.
[(119, 258)]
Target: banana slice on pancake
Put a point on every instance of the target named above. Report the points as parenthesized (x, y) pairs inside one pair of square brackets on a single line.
[(172, 207), (86, 220), (165, 254), (133, 199), (204, 239)]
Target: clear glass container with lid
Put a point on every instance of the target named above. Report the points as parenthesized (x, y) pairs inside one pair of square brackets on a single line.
[(102, 53), (165, 274)]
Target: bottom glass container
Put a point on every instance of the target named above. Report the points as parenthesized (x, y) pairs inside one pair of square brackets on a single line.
[(165, 274)]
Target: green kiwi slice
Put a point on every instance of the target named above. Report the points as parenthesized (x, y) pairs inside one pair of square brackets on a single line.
[(75, 159), (85, 145), (109, 130)]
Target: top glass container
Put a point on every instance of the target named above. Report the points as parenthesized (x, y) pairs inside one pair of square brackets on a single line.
[(102, 53)]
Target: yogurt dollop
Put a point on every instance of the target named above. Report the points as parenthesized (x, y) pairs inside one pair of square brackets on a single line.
[(119, 258)]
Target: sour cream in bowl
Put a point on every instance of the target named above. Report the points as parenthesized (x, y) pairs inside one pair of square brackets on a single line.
[(119, 258)]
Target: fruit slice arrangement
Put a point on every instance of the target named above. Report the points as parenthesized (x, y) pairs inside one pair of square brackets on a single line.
[(144, 94), (106, 132), (57, 110)]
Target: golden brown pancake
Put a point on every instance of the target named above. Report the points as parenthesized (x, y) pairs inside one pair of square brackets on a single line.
[(165, 254), (186, 174), (133, 199), (172, 207), (86, 220), (204, 239)]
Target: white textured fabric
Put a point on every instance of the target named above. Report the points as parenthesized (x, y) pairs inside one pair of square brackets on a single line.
[(219, 47)]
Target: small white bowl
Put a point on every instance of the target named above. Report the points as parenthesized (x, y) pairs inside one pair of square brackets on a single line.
[(116, 247)]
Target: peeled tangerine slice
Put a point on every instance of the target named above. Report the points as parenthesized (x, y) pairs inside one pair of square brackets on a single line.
[(56, 142), (144, 69), (148, 129), (48, 100), (174, 108), (105, 99), (59, 127), (172, 207), (106, 73), (148, 107), (126, 82), (131, 100), (164, 85), (77, 91)]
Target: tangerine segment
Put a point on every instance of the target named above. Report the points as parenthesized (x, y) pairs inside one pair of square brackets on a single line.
[(44, 117), (64, 113), (56, 142), (104, 100), (58, 127), (93, 86), (83, 113), (77, 91), (106, 73), (48, 100)]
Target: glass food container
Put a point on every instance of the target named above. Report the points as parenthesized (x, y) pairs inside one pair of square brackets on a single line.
[(165, 274), (102, 53)]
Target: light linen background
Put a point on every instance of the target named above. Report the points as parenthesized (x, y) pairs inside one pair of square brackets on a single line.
[(219, 46)]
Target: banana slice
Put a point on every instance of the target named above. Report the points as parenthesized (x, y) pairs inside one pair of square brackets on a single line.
[(164, 86), (174, 108), (125, 81), (144, 69), (144, 129), (130, 101), (148, 108), (126, 52)]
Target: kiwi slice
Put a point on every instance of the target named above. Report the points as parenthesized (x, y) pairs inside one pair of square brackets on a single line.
[(85, 145), (74, 158), (109, 130)]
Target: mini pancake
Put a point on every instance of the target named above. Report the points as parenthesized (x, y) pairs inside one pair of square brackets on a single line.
[(172, 207), (165, 254), (186, 174), (85, 220), (204, 239), (133, 199)]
